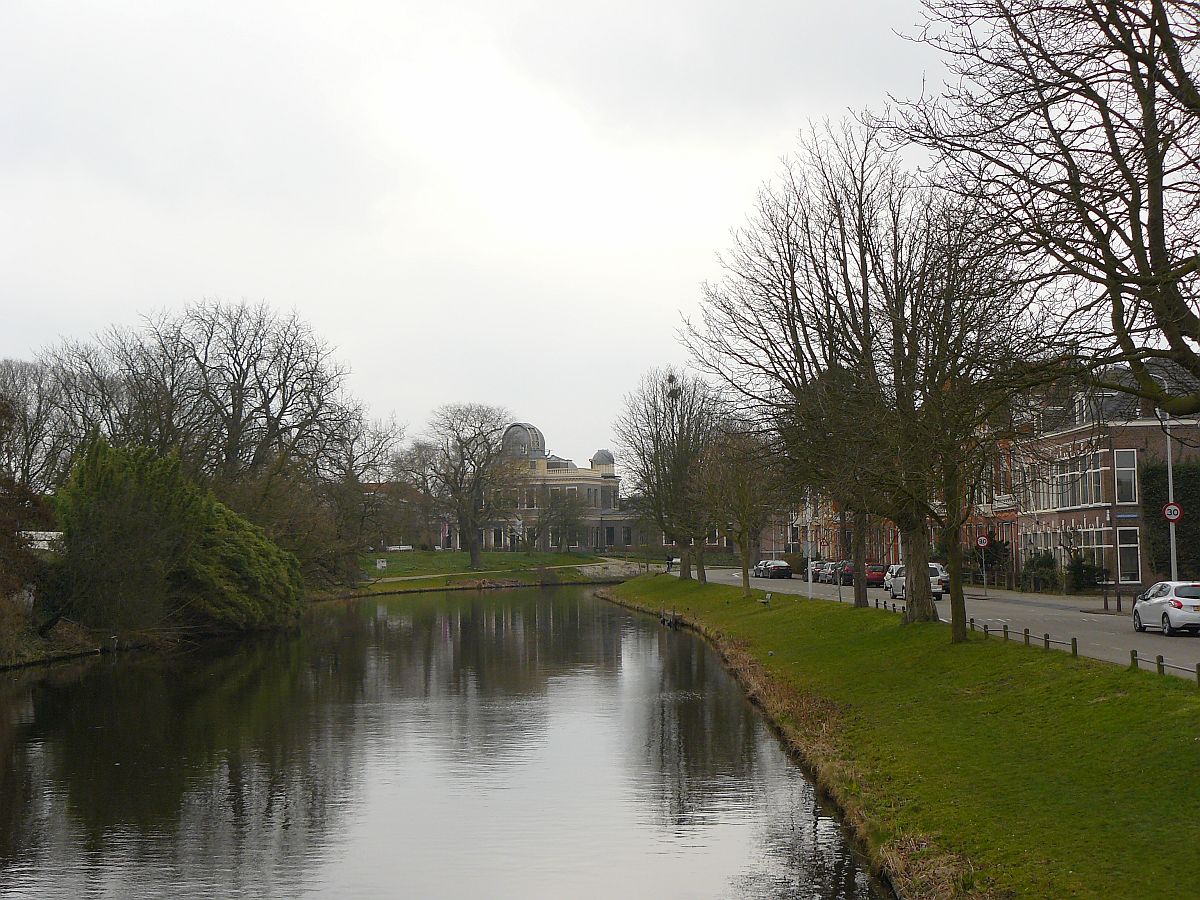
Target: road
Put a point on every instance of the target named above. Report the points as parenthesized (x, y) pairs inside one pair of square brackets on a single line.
[(1100, 636)]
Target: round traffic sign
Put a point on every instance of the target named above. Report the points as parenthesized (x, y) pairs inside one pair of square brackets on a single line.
[(1172, 512), (982, 541)]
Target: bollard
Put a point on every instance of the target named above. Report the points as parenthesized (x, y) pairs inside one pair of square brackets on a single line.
[(1074, 647), (972, 624), (893, 607), (1026, 637), (877, 603), (1006, 634), (1133, 663), (1158, 664), (1198, 674), (1046, 641), (985, 629)]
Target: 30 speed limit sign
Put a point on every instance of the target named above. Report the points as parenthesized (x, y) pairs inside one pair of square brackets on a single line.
[(982, 541), (1172, 512)]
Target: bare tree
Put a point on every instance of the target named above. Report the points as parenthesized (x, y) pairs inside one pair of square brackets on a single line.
[(854, 315), (36, 447), (744, 488), (415, 467), (1081, 122), (470, 470), (664, 430)]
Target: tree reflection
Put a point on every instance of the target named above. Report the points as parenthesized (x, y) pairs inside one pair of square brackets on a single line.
[(237, 764)]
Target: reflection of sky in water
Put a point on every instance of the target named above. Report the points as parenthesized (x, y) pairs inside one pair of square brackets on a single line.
[(524, 744)]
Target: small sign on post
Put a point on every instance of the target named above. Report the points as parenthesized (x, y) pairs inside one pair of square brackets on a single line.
[(982, 543), (1172, 512), (381, 564)]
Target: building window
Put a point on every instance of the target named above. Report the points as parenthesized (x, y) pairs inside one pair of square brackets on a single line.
[(1128, 555), (627, 535), (610, 535), (1125, 464)]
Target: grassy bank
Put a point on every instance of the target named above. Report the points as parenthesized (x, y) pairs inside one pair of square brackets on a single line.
[(523, 578), (984, 769), (442, 562)]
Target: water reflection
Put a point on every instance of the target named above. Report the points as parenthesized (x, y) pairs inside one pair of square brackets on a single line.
[(509, 744)]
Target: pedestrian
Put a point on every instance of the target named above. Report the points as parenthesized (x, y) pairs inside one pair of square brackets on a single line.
[(669, 561)]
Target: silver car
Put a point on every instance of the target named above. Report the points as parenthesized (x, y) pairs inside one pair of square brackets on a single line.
[(1173, 606), (937, 582)]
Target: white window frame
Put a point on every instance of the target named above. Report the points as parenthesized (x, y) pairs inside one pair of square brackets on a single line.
[(1116, 473), (1121, 544)]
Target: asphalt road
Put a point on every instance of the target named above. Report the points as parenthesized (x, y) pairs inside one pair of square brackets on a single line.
[(1100, 636)]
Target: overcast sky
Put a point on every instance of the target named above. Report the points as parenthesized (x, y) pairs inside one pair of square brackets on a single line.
[(482, 200)]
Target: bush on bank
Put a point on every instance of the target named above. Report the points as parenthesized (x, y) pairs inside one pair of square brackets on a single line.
[(984, 769), (146, 548)]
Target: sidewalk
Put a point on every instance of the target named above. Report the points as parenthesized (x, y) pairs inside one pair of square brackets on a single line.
[(1093, 603)]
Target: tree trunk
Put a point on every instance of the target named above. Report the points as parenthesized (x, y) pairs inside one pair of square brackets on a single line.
[(744, 547), (685, 563), (860, 559), (918, 597), (958, 602), (472, 538), (701, 575)]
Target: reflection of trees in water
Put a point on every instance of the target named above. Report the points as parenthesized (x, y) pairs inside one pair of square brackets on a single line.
[(715, 760), (700, 735), (230, 764), (239, 753), (804, 849), (494, 655)]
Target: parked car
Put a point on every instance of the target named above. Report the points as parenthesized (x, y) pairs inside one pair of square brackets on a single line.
[(772, 568), (875, 575), (844, 573), (890, 575), (1173, 606), (938, 581), (814, 570), (825, 576)]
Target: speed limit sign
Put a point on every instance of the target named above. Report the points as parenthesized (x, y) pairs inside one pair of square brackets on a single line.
[(982, 541), (1172, 512)]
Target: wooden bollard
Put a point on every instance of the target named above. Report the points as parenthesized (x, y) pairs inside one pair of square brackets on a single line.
[(1074, 647), (1026, 637), (1046, 641), (1158, 664), (985, 629), (971, 622), (1006, 634), (1133, 663)]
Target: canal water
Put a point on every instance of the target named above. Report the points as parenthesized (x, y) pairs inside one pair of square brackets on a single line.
[(523, 744)]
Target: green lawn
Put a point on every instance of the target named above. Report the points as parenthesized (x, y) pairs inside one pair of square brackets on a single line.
[(516, 578), (1003, 770), (440, 562)]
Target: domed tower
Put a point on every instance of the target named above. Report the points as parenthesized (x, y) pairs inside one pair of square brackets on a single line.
[(603, 459), (524, 440)]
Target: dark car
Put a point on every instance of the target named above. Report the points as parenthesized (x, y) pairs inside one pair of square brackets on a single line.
[(774, 568), (875, 575), (844, 573)]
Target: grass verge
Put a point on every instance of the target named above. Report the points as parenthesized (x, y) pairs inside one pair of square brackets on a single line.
[(523, 578), (441, 562), (978, 770)]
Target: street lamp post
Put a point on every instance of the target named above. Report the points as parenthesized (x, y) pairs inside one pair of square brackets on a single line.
[(1166, 423), (1171, 499)]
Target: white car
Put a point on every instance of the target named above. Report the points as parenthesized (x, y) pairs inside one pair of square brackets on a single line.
[(937, 581), (889, 576), (1173, 606)]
